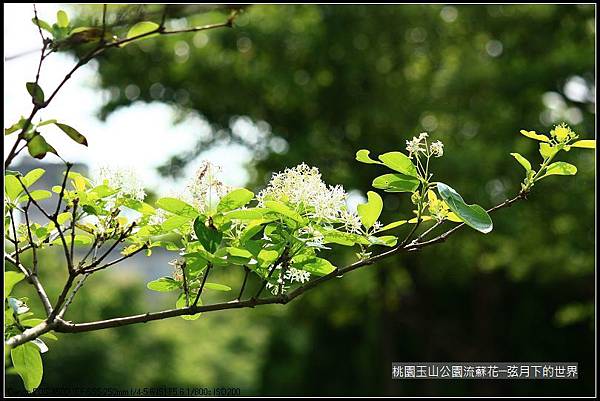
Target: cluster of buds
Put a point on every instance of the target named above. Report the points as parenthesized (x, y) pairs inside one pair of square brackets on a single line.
[(562, 134)]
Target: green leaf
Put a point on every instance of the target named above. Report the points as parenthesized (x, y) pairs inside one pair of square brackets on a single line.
[(369, 212), (142, 28), (385, 240), (32, 176), (15, 127), (38, 147), (363, 157), (217, 287), (80, 239), (285, 210), (333, 236), (137, 205), (547, 150), (72, 133), (164, 284), (177, 206), (27, 361), (244, 214), (62, 19), (235, 199), (182, 304), (10, 279), (238, 256), (523, 161), (473, 215), (12, 187), (399, 162), (393, 225), (209, 237), (31, 322), (313, 265), (396, 183), (42, 24), (37, 94), (560, 168), (266, 257), (37, 195), (52, 121), (585, 143), (533, 135), (174, 222)]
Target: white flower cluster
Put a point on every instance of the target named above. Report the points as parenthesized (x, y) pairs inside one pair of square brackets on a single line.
[(292, 275), (125, 180), (302, 188), (437, 149), (419, 145), (205, 189)]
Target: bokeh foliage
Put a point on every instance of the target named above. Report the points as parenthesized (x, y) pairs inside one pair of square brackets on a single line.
[(321, 82)]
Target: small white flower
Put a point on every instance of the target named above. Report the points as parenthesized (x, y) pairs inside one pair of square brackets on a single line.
[(437, 149), (18, 306), (377, 225)]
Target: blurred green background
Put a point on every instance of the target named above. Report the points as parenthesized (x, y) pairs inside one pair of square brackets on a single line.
[(320, 82)]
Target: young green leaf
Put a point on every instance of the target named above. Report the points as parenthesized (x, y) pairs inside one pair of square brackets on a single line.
[(164, 284), (399, 162), (142, 28), (27, 361), (234, 200), (523, 161), (62, 19), (369, 212), (473, 215), (396, 183)]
